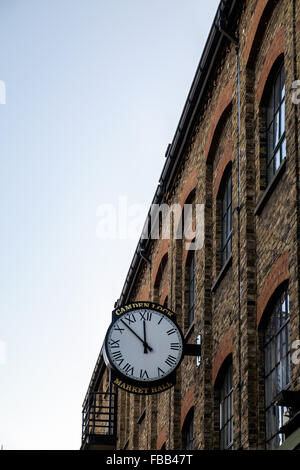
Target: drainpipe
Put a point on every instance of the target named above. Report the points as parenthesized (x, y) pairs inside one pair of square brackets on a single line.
[(222, 25)]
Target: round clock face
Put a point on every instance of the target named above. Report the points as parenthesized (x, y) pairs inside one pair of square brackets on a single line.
[(144, 345)]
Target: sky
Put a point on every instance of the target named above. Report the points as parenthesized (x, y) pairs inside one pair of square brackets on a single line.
[(94, 93)]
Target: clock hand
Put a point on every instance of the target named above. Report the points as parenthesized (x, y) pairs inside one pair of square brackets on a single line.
[(145, 341), (146, 345)]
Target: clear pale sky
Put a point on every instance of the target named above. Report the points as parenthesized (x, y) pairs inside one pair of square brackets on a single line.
[(94, 92)]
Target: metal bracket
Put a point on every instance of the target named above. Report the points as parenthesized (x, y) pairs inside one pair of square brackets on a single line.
[(192, 350)]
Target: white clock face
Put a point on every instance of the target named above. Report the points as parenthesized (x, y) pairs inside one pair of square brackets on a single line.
[(144, 345)]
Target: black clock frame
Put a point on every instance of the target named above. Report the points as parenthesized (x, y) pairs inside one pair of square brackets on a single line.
[(123, 381)]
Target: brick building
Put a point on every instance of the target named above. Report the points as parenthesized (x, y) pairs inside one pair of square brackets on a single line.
[(235, 150)]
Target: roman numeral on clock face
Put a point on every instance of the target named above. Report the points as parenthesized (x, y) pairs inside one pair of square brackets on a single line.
[(120, 330), (130, 318), (114, 344), (170, 361), (118, 358), (143, 374), (128, 369), (175, 346), (171, 331), (117, 355), (160, 372), (146, 316)]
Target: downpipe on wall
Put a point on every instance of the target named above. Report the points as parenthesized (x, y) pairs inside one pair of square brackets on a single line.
[(234, 40)]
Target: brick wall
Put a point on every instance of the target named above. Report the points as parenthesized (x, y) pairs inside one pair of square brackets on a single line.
[(265, 255)]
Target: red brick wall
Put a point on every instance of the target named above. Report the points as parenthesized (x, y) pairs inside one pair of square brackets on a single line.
[(276, 276)]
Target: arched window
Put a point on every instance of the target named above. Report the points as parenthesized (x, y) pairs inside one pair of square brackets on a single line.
[(225, 387), (225, 198), (161, 278), (275, 120), (188, 431), (276, 339)]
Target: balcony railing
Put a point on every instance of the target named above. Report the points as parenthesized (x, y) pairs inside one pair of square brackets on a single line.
[(99, 419)]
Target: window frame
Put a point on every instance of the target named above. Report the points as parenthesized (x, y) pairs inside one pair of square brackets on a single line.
[(225, 198), (272, 367), (188, 435), (225, 390), (275, 107)]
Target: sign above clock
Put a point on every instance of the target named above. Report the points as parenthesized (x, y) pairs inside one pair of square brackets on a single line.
[(143, 348)]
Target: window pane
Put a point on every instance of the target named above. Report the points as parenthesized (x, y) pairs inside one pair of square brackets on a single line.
[(270, 109), (226, 410), (277, 91), (282, 119), (277, 367), (276, 161), (283, 149), (276, 128), (226, 219), (282, 83), (188, 432), (275, 120)]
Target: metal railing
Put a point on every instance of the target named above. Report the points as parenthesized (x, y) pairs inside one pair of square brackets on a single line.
[(99, 418)]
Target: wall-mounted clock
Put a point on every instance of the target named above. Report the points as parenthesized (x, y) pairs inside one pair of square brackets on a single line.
[(143, 345)]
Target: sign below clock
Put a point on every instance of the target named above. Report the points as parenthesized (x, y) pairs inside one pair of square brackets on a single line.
[(143, 347)]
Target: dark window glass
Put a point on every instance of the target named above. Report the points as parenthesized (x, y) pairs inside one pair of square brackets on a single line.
[(191, 289), (188, 432), (227, 220), (226, 411), (276, 141), (277, 368)]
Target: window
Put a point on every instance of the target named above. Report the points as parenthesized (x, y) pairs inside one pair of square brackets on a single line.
[(276, 141), (226, 410), (161, 278), (226, 200), (191, 288), (188, 431), (277, 368)]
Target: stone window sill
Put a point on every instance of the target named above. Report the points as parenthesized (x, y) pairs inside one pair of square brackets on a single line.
[(222, 273), (268, 191)]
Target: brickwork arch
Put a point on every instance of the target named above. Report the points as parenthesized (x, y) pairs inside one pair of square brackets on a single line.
[(275, 51), (224, 350), (189, 187), (278, 274), (164, 292), (187, 196), (225, 160), (262, 13), (187, 405), (162, 253), (219, 116)]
